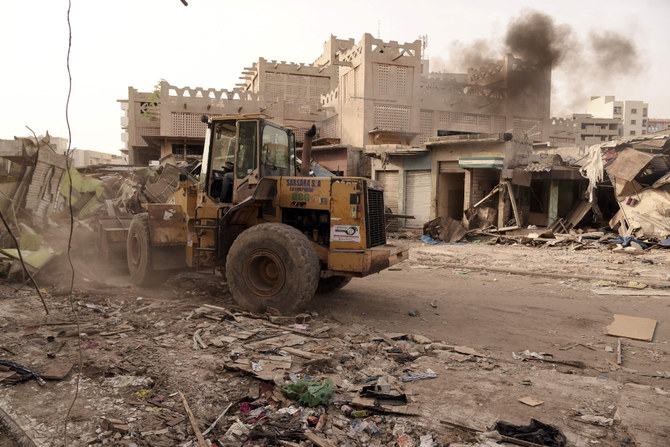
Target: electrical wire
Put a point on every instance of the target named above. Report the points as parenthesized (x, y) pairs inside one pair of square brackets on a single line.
[(68, 154)]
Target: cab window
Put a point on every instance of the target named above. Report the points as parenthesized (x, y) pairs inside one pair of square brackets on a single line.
[(275, 151), (223, 150), (246, 157)]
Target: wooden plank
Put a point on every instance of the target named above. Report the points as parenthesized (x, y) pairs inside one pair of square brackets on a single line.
[(318, 440), (487, 196), (512, 199), (194, 422)]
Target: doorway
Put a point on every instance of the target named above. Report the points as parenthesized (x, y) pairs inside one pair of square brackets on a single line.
[(450, 193)]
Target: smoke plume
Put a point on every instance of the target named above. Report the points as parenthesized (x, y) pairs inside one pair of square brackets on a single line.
[(580, 66), (477, 54), (534, 37), (614, 53)]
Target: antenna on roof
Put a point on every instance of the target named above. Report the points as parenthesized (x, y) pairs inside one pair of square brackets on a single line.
[(379, 29), (424, 44)]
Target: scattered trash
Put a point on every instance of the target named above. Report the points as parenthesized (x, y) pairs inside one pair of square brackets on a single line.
[(309, 392), (20, 373), (536, 432), (429, 374), (531, 402)]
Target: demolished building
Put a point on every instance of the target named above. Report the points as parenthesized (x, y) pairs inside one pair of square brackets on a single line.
[(619, 186)]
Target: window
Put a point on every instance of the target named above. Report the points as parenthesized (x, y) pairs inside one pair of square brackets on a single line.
[(246, 157), (223, 150), (644, 112), (633, 111), (275, 152), (617, 110), (383, 79), (632, 132), (633, 121)]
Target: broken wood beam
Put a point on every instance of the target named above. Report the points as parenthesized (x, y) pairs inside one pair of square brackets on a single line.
[(512, 199), (194, 422), (221, 309), (487, 196)]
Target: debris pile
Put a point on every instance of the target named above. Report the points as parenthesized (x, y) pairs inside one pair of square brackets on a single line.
[(41, 184), (272, 380), (622, 186)]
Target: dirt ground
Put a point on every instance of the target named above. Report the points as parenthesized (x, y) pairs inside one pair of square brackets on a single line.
[(466, 312)]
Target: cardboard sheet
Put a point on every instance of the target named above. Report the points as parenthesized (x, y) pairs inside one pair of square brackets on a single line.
[(636, 328)]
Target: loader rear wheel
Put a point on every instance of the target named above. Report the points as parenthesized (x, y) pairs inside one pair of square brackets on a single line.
[(272, 265), (332, 283), (140, 262)]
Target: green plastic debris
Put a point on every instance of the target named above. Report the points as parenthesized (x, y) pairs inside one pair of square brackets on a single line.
[(35, 259), (309, 392)]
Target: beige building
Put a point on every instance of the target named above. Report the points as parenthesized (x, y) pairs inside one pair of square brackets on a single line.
[(350, 91), (657, 125), (633, 114), (82, 158), (373, 96), (582, 129)]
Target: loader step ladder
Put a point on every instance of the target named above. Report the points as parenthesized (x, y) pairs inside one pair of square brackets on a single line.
[(205, 226)]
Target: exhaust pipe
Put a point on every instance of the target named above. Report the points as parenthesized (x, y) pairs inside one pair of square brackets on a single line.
[(307, 151)]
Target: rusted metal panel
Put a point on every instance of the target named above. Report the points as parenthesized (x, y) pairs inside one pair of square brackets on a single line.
[(167, 225), (112, 237), (366, 262)]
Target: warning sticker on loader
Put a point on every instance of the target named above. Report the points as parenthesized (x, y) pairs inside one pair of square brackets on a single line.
[(345, 233)]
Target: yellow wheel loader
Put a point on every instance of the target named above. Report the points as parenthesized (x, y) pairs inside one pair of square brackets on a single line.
[(278, 234)]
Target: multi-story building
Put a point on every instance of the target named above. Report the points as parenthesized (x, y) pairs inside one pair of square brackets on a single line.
[(657, 125), (633, 114), (354, 93), (371, 93), (582, 129)]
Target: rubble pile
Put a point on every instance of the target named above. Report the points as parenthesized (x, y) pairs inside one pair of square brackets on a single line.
[(271, 380), (623, 185), (38, 189)]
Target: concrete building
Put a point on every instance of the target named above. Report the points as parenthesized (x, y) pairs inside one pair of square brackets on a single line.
[(657, 125), (582, 129), (82, 158), (368, 96), (633, 114), (352, 91)]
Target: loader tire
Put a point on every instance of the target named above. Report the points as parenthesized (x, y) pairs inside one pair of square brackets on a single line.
[(140, 262), (272, 265), (331, 284)]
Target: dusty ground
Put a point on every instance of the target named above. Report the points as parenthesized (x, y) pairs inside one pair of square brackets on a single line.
[(551, 305)]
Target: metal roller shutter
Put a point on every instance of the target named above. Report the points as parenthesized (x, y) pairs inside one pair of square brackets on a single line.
[(417, 197), (390, 181), (450, 166)]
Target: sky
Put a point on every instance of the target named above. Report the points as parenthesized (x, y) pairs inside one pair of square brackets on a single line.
[(136, 43)]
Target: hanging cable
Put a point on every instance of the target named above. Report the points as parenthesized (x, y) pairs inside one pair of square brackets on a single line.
[(68, 154)]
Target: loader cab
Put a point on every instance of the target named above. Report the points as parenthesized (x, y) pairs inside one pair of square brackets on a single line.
[(239, 151)]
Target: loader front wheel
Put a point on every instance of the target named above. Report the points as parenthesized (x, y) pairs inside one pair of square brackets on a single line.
[(140, 264), (272, 265), (331, 284)]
